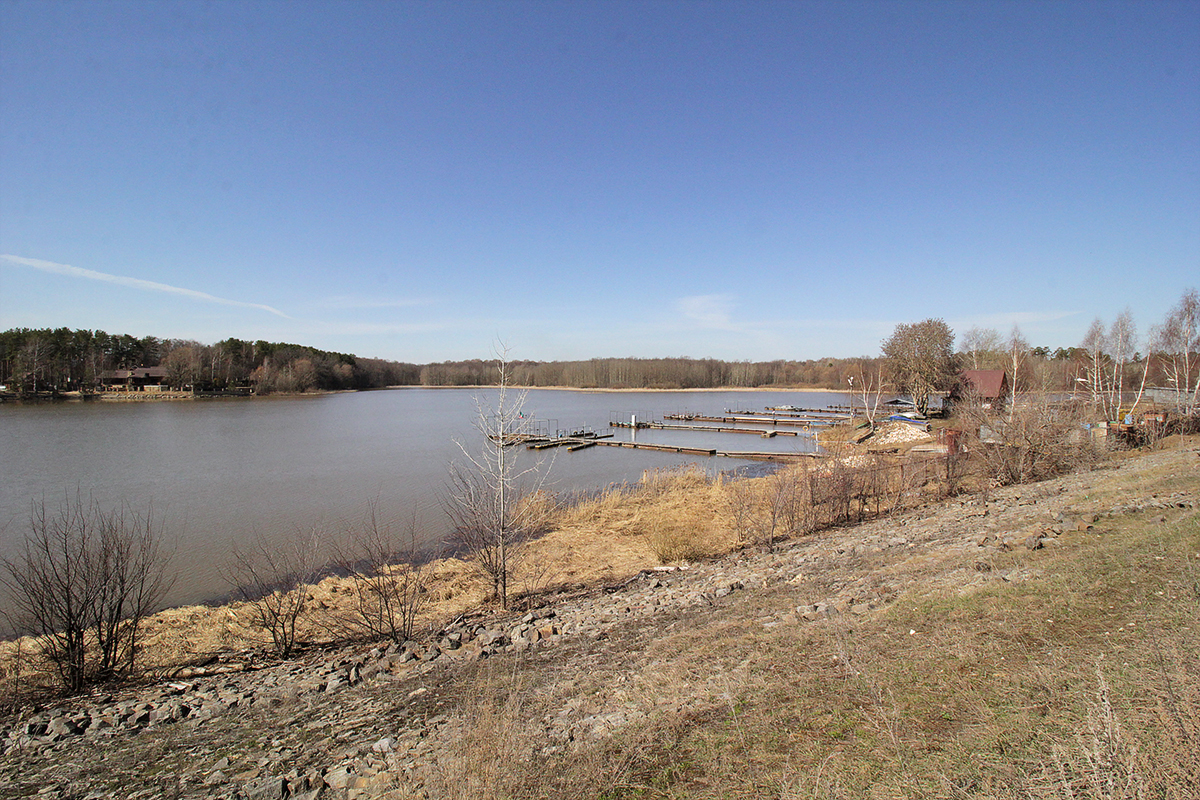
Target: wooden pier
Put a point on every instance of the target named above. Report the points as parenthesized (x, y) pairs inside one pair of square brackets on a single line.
[(582, 443), (765, 456), (805, 424), (797, 421), (843, 411), (575, 441), (664, 448), (667, 426)]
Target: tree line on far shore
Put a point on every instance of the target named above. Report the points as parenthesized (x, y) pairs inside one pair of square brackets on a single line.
[(52, 361), (1108, 359)]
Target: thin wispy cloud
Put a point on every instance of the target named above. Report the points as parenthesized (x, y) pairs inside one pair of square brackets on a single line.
[(134, 283), (707, 310)]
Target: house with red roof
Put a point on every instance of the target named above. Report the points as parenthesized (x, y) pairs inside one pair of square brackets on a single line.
[(988, 387)]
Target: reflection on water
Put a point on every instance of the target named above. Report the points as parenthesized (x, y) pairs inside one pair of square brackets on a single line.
[(219, 471)]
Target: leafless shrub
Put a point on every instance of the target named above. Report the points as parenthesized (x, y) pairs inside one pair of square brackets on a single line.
[(757, 509), (791, 492), (830, 489), (491, 532), (13, 686), (837, 487), (807, 497), (767, 509), (785, 512), (85, 581), (957, 464), (1109, 759), (133, 582), (389, 584), (1032, 441), (741, 499), (533, 579), (274, 581), (1173, 760)]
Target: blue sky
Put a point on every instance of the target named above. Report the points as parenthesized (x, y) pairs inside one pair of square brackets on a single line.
[(740, 180)]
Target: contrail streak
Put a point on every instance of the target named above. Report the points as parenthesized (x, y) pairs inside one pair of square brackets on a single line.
[(135, 283)]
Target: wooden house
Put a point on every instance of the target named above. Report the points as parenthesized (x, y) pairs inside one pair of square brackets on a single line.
[(988, 387), (138, 379)]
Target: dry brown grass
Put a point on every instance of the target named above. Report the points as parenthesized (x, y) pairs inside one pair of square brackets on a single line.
[(670, 515)]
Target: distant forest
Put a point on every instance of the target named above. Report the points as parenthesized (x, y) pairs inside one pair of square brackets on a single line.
[(53, 361), (61, 360)]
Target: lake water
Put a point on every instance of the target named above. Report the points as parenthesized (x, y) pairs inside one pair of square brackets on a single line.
[(217, 472)]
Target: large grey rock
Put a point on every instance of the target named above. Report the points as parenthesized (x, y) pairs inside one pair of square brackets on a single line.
[(61, 726), (338, 778), (269, 788)]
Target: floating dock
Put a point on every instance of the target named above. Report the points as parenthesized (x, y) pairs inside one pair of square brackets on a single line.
[(763, 424), (828, 410), (667, 426), (804, 423), (574, 441), (748, 455)]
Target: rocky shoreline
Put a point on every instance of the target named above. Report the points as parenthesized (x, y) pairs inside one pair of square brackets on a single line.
[(375, 721)]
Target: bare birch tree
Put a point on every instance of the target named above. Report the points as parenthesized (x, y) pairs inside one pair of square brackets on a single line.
[(871, 390), (1121, 338), (1178, 344), (1094, 343), (1018, 349), (495, 503), (981, 344)]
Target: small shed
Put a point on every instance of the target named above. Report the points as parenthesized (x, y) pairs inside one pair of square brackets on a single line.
[(987, 386)]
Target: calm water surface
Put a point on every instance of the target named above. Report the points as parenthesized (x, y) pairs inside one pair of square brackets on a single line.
[(218, 472)]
